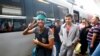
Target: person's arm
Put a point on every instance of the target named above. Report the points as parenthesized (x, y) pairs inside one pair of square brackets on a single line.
[(49, 46), (61, 34), (76, 36), (93, 39), (95, 32), (51, 41), (81, 34), (52, 28), (29, 30)]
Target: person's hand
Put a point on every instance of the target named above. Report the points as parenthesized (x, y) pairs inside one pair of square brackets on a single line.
[(30, 26), (91, 45), (69, 45), (35, 41)]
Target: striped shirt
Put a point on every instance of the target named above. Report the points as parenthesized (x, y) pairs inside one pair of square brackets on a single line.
[(94, 29)]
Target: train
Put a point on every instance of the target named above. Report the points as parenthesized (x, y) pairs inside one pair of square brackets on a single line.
[(78, 12), (53, 9)]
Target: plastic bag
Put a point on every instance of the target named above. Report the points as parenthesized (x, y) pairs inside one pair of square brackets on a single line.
[(77, 48)]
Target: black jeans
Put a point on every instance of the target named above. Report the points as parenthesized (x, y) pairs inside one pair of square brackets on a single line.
[(84, 46), (91, 50), (57, 45)]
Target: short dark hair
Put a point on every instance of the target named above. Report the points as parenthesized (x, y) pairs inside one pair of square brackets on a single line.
[(69, 15), (83, 19), (97, 18)]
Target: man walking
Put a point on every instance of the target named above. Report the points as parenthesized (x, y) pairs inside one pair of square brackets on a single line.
[(69, 35)]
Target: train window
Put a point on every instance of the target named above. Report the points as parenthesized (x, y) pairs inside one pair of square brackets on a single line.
[(11, 24), (40, 6), (63, 11), (19, 24), (5, 25), (76, 16)]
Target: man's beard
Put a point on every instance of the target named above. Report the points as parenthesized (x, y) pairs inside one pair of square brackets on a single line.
[(68, 23)]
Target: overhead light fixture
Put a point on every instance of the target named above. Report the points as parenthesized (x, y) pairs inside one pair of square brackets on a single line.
[(44, 1)]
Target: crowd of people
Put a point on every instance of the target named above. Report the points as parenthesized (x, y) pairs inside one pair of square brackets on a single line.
[(65, 36)]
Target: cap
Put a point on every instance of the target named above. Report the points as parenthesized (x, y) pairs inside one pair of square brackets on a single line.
[(41, 17)]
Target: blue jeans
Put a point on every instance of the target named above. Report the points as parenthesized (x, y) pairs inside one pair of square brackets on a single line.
[(34, 52), (97, 51), (91, 50), (57, 45)]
